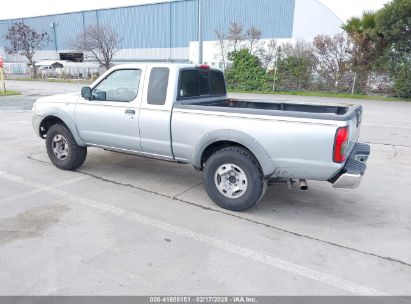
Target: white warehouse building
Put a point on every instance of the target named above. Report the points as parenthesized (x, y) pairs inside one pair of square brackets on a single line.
[(168, 31)]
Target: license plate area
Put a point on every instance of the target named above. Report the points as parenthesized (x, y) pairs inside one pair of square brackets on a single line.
[(361, 158)]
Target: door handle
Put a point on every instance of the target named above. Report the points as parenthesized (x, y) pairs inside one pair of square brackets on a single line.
[(130, 112)]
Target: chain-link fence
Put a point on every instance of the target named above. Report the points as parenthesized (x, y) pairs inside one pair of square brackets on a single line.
[(350, 82), (23, 71), (277, 80)]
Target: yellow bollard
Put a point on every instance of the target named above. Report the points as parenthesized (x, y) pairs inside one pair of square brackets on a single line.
[(2, 82)]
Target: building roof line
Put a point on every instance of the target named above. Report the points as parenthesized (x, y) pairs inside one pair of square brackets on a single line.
[(329, 9), (94, 10)]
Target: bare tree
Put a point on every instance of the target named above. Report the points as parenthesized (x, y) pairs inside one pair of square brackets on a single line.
[(301, 49), (333, 58), (223, 44), (99, 41), (267, 53), (25, 41), (236, 34), (253, 35)]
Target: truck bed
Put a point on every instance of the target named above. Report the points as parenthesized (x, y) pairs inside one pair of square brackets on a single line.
[(274, 108)]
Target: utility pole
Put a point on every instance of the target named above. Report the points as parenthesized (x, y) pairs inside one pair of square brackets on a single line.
[(275, 71), (353, 83), (200, 33), (53, 25)]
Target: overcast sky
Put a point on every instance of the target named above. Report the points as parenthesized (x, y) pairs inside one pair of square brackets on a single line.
[(18, 9)]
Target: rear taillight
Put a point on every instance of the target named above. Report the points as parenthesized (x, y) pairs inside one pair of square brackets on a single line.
[(340, 144)]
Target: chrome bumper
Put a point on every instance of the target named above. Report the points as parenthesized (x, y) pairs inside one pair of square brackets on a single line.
[(347, 180), (351, 174)]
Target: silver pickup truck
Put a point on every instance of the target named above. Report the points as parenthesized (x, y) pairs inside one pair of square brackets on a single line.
[(181, 113)]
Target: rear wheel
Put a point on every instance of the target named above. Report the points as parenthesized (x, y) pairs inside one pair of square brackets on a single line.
[(62, 148), (233, 179)]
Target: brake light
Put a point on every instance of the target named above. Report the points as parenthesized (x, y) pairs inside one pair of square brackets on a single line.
[(340, 144), (202, 66)]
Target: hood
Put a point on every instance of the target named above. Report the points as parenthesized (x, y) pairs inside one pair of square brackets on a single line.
[(60, 98)]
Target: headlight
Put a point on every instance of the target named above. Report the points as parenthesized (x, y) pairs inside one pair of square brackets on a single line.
[(33, 108)]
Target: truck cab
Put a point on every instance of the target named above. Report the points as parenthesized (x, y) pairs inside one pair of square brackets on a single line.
[(131, 105)]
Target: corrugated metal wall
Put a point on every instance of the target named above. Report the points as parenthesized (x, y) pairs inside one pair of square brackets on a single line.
[(273, 17), (168, 24)]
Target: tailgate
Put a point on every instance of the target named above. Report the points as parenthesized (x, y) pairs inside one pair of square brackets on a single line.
[(354, 124)]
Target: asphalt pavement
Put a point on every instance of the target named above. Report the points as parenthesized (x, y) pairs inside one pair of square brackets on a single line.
[(127, 225)]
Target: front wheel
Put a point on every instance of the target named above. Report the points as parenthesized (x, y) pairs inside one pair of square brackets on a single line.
[(233, 179), (62, 148)]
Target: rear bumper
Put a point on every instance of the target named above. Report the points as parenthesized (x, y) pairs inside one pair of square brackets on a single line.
[(347, 180), (351, 174)]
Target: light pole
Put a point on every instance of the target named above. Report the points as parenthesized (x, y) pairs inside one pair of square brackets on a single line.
[(54, 25), (169, 32), (200, 34)]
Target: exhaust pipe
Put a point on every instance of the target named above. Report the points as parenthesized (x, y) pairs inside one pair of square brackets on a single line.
[(303, 184)]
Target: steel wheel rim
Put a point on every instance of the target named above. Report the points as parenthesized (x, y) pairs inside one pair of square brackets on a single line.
[(60, 147), (230, 180)]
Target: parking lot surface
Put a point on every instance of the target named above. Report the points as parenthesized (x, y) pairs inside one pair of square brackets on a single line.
[(127, 225)]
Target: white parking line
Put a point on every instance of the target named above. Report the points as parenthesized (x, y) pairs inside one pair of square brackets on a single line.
[(214, 242), (21, 121), (386, 126), (41, 189)]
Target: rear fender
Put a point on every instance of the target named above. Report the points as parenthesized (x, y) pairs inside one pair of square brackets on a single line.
[(238, 137)]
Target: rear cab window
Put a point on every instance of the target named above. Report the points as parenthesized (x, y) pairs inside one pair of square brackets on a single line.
[(198, 83)]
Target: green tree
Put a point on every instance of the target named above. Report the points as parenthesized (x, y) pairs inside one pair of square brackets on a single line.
[(393, 22), (294, 73), (246, 73), (368, 47), (295, 64)]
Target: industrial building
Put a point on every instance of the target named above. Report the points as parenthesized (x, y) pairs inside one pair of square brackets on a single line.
[(169, 31)]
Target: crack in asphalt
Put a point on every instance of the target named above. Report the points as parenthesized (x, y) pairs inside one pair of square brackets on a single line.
[(396, 152), (185, 191), (385, 144), (390, 259)]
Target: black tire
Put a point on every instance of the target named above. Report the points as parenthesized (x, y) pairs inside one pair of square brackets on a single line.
[(244, 161), (76, 155)]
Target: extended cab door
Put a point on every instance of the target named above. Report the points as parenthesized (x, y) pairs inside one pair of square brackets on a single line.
[(155, 113), (110, 118)]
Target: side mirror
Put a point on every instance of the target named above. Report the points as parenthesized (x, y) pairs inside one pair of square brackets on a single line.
[(86, 93)]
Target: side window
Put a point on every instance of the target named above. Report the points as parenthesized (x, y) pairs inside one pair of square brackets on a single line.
[(121, 85), (157, 86), (217, 83)]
